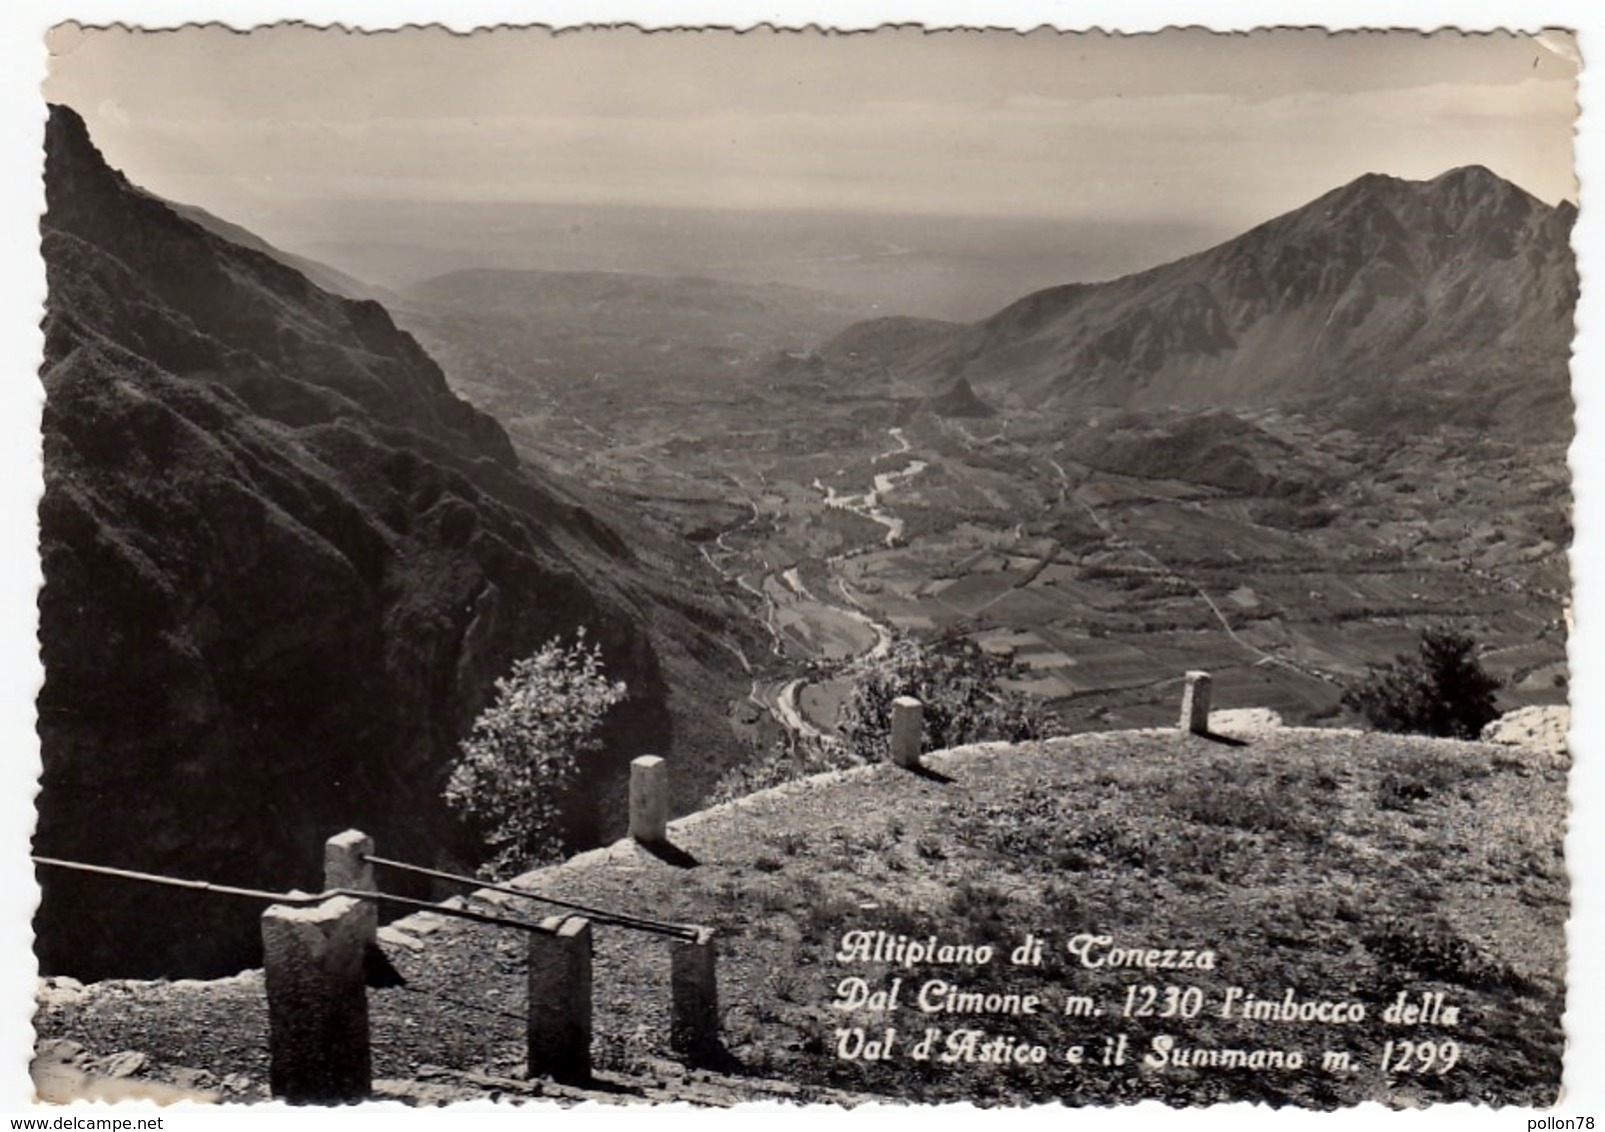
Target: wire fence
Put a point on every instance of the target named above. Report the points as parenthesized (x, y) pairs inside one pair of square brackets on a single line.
[(316, 965), (307, 900), (595, 915)]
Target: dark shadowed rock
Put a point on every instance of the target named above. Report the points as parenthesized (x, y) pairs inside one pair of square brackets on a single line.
[(283, 566), (959, 401)]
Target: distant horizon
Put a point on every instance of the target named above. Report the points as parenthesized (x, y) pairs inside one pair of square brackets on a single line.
[(941, 175), (804, 210), (1183, 123), (1169, 242)]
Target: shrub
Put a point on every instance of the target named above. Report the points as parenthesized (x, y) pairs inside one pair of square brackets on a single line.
[(1441, 690), (523, 752), (960, 686)]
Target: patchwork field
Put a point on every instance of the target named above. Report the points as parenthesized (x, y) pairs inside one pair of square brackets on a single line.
[(1100, 551)]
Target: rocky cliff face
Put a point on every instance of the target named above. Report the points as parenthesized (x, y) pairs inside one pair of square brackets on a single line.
[(283, 565)]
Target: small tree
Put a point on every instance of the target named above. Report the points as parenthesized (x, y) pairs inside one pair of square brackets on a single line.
[(524, 750), (1440, 690), (960, 686)]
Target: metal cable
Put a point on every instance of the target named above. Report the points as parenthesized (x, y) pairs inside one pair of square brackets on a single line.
[(293, 899), (599, 915)]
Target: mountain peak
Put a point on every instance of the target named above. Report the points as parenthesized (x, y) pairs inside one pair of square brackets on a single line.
[(1366, 187), (72, 156), (1381, 276), (1477, 176), (1462, 183), (1474, 184), (66, 123)]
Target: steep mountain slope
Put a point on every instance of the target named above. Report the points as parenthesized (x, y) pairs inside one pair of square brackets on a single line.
[(328, 278), (1379, 294), (283, 565)]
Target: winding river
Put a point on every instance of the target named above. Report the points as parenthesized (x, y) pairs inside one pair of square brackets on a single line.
[(870, 503), (786, 589)]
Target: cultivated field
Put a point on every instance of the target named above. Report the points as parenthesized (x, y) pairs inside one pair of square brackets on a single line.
[(1109, 552)]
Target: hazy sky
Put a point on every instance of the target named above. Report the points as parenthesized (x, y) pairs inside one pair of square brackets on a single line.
[(1226, 130)]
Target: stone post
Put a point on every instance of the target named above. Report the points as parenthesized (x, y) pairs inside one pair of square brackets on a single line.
[(1195, 704), (649, 800), (694, 1007), (345, 865), (908, 727), (559, 1023), (318, 1047)]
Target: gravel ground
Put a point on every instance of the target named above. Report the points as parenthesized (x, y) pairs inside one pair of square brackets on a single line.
[(1473, 830)]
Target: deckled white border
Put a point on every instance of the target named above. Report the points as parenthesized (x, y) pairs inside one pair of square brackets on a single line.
[(22, 61)]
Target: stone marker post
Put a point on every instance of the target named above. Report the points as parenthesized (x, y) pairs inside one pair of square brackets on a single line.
[(1195, 704), (649, 800), (317, 1002), (694, 997), (908, 727), (345, 865), (559, 1023)]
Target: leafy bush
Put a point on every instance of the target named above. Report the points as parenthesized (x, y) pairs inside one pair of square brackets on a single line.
[(960, 686), (1441, 690), (524, 750)]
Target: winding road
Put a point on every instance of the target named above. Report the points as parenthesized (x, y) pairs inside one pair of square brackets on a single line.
[(1120, 541)]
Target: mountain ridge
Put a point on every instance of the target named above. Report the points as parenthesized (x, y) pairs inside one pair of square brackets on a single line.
[(1381, 277), (329, 278), (239, 291), (283, 565)]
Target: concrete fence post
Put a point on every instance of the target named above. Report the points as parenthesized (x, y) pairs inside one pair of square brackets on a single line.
[(649, 800), (559, 1023), (346, 865), (1195, 703), (694, 996), (908, 731), (318, 1045)]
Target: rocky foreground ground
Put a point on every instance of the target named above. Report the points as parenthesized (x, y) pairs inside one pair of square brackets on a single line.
[(1338, 865)]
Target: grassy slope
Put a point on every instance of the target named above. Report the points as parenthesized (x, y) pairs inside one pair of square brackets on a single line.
[(1344, 865)]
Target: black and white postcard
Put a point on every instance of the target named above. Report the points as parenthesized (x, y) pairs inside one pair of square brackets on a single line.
[(911, 566)]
